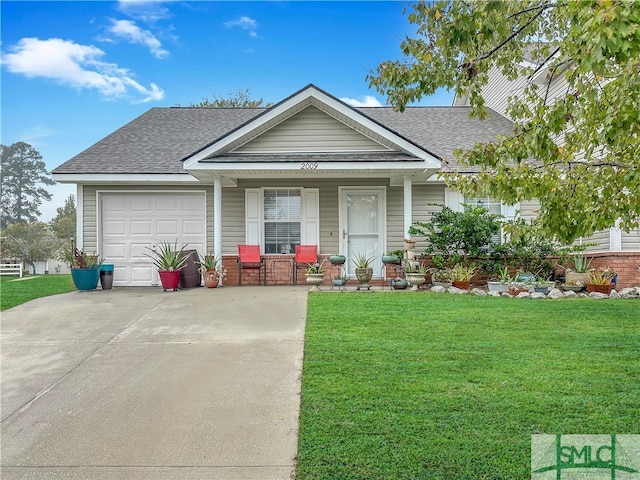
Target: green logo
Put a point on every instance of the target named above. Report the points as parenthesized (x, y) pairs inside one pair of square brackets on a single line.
[(593, 457)]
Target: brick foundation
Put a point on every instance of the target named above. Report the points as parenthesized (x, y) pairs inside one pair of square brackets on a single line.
[(279, 270), (625, 264)]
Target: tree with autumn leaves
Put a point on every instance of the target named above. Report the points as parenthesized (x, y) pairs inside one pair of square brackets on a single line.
[(577, 153)]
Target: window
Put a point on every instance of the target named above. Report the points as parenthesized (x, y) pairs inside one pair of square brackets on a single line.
[(278, 219), (282, 218), (489, 204)]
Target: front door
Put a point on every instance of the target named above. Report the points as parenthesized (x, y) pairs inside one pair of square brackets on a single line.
[(362, 223)]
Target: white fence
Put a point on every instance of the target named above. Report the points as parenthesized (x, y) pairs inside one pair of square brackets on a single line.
[(11, 269)]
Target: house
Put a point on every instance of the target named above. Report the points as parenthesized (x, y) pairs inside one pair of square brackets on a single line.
[(614, 247), (308, 170)]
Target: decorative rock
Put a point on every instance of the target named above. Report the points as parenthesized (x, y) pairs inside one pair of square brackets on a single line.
[(555, 293), (569, 294), (598, 295), (523, 295), (614, 294), (629, 292), (538, 295), (457, 291), (495, 294), (582, 295), (478, 291), (506, 294), (438, 289)]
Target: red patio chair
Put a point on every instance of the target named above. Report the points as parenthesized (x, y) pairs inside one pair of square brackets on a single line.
[(249, 258), (305, 254)]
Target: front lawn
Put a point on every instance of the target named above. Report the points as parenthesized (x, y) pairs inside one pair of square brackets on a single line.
[(14, 291), (428, 386)]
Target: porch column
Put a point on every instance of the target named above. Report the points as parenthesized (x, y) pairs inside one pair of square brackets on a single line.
[(217, 217), (408, 199)]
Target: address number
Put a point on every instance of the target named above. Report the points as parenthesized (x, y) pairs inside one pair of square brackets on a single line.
[(309, 166)]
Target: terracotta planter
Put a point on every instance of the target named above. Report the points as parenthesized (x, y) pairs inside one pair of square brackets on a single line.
[(461, 285), (606, 289), (170, 279), (516, 291), (211, 279)]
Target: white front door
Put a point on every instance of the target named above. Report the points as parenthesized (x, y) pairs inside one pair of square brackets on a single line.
[(363, 225)]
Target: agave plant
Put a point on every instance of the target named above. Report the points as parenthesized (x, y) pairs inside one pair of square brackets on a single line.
[(362, 261), (167, 256)]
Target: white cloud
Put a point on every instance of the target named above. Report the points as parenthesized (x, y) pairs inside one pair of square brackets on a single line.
[(74, 65), (132, 33), (367, 101), (245, 23), (147, 11)]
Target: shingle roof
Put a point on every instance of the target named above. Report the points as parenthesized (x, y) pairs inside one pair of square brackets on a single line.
[(157, 141)]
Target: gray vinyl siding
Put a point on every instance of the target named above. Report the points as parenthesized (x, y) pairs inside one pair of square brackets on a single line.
[(631, 241), (528, 209), (90, 208), (601, 239), (311, 130), (233, 221)]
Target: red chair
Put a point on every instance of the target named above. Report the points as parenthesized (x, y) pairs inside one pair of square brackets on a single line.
[(249, 258), (305, 254)]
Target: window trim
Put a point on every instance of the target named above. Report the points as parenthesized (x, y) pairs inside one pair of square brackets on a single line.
[(309, 215)]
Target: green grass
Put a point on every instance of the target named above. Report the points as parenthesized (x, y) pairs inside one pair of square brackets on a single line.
[(14, 292), (427, 386)]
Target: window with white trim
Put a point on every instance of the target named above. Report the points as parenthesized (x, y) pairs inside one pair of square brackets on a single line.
[(282, 216), (278, 219), (491, 205)]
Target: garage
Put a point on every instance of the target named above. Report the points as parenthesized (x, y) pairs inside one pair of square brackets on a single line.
[(130, 223)]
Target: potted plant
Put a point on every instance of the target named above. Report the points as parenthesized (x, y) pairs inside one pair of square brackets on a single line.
[(169, 260), (440, 277), (415, 273), (315, 275), (581, 266), (85, 269), (390, 258), (363, 269), (462, 275), (337, 259), (600, 280), (542, 285), (339, 280), (517, 285), (212, 270), (500, 284), (399, 283)]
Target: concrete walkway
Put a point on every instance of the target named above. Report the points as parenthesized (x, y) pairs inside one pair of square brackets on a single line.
[(136, 383)]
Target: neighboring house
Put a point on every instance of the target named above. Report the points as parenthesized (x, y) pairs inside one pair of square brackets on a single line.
[(309, 170), (613, 247)]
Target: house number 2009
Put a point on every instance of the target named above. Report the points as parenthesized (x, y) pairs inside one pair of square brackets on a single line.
[(309, 166)]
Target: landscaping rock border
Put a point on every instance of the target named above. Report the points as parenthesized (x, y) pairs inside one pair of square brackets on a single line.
[(554, 293)]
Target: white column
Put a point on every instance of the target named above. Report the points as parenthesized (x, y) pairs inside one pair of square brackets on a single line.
[(615, 238), (79, 243), (217, 219), (408, 201)]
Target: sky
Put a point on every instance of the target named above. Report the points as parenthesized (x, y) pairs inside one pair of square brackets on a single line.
[(74, 72)]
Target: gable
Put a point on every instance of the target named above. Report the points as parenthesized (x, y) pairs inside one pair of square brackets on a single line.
[(311, 130)]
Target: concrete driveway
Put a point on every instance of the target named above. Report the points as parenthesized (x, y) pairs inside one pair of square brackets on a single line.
[(136, 383)]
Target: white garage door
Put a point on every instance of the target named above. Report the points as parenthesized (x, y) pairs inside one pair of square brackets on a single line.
[(132, 222)]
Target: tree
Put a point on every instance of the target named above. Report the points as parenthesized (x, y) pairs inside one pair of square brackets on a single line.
[(29, 242), (578, 154), (64, 223), (242, 99), (21, 172)]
